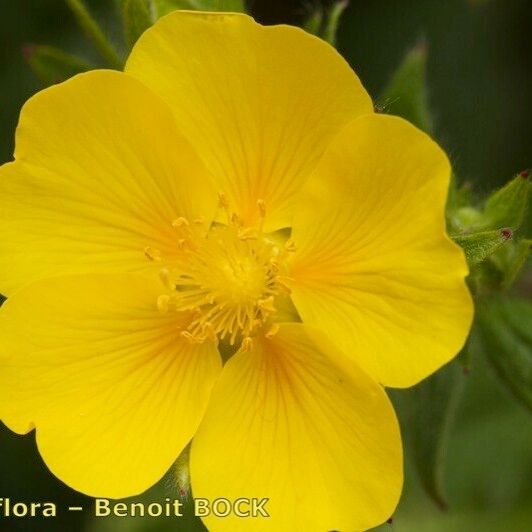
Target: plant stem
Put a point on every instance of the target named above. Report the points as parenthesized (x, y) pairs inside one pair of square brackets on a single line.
[(93, 32)]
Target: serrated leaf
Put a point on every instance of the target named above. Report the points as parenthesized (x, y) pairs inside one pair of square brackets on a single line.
[(427, 413), (507, 206), (138, 16), (51, 65), (479, 246), (231, 6), (504, 326), (406, 95)]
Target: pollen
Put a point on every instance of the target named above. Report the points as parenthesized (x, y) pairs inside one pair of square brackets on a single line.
[(227, 278)]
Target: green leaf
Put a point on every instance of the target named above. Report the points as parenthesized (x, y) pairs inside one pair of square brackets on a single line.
[(479, 246), (507, 206), (427, 413), (52, 65), (231, 6), (406, 94), (504, 325), (138, 16)]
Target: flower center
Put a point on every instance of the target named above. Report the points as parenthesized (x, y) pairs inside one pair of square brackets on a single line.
[(227, 279)]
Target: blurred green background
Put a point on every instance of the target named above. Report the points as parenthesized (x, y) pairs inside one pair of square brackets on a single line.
[(480, 85)]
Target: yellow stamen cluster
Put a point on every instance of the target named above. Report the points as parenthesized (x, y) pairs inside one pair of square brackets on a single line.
[(227, 279)]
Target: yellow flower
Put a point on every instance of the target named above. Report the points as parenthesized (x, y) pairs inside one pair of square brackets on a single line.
[(144, 221)]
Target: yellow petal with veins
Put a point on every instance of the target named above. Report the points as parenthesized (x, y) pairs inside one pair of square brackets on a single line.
[(294, 421), (374, 268), (100, 173), (113, 390), (259, 103)]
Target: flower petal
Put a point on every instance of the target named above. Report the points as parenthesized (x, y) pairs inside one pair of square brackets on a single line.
[(100, 174), (374, 267), (291, 421), (114, 391), (260, 103)]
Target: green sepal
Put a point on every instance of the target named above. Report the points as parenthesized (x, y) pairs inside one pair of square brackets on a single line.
[(459, 195), (510, 259), (507, 206), (479, 246), (458, 207), (51, 65), (138, 16), (427, 413), (231, 6), (504, 326), (182, 473), (406, 94)]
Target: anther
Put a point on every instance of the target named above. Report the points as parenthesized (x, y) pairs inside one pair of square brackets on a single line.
[(261, 204), (164, 275), (247, 233), (208, 330), (163, 302), (152, 254), (247, 345), (290, 246), (283, 282), (235, 220), (266, 305), (180, 222), (192, 338), (274, 329), (255, 323), (222, 200), (274, 265)]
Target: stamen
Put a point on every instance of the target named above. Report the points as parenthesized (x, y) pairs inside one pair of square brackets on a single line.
[(267, 304), (248, 234), (274, 329), (290, 246), (226, 279), (163, 303), (181, 222), (224, 204), (247, 345), (261, 204), (152, 254), (164, 275)]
